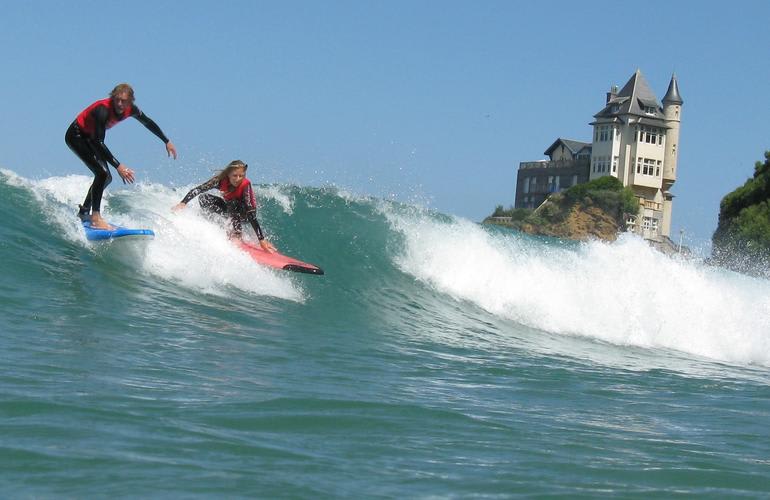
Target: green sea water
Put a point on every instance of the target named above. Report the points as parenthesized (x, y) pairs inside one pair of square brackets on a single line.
[(435, 358)]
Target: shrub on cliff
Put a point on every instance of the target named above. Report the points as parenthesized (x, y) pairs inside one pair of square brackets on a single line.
[(742, 238), (514, 213), (605, 192)]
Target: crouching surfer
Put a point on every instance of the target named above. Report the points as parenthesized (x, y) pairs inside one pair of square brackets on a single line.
[(85, 137), (237, 201)]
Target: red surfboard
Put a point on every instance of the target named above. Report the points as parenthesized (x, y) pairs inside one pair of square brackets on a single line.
[(277, 260)]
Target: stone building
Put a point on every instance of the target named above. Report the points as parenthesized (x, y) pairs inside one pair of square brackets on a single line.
[(635, 138), (568, 164)]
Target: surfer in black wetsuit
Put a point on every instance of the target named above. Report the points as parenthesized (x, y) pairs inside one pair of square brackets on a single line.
[(85, 137), (237, 201)]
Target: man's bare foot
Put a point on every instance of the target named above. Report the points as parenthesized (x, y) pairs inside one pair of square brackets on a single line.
[(98, 223)]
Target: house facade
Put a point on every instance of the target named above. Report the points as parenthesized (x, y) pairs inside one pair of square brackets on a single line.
[(635, 139), (568, 164)]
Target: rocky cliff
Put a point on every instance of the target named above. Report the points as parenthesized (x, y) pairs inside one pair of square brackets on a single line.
[(577, 222), (595, 209)]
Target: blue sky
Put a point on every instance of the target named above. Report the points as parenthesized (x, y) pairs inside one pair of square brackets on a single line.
[(433, 102)]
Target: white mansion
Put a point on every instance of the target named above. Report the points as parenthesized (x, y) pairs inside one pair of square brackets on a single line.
[(635, 139)]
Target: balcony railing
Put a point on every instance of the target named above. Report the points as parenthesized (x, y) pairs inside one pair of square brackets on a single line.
[(553, 164), (651, 205)]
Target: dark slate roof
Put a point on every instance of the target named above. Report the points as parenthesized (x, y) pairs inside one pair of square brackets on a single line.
[(573, 146), (672, 94), (631, 100), (655, 122)]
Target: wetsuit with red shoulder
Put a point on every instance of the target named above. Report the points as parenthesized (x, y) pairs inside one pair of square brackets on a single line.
[(96, 119), (85, 137), (237, 202)]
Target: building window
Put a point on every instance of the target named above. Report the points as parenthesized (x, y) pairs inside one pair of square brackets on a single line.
[(639, 165), (657, 169), (650, 224), (526, 185), (614, 164), (648, 167), (650, 135)]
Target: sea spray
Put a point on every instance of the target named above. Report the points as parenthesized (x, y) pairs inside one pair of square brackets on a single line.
[(625, 292)]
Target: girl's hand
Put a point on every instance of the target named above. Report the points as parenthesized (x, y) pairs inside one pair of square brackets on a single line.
[(178, 207)]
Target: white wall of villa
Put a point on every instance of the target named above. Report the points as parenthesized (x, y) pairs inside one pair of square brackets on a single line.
[(635, 140)]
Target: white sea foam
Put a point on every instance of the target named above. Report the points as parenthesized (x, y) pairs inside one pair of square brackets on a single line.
[(624, 293), (188, 249), (278, 194)]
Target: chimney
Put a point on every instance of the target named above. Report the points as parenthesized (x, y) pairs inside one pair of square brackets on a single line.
[(612, 93)]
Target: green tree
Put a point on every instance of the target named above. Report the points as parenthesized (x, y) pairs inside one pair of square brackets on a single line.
[(742, 238)]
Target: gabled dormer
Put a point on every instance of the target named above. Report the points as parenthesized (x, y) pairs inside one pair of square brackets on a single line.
[(566, 149)]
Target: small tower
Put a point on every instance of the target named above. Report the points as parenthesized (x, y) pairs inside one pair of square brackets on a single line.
[(672, 112), (672, 108)]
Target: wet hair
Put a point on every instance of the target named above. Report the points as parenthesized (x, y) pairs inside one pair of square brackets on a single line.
[(225, 172), (123, 87)]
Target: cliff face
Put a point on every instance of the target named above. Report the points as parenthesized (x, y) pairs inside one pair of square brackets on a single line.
[(595, 209), (580, 222), (742, 239)]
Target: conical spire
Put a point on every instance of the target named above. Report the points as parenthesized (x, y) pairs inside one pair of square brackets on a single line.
[(672, 94)]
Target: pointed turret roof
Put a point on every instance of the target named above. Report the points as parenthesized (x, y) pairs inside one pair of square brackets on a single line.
[(635, 98), (672, 94)]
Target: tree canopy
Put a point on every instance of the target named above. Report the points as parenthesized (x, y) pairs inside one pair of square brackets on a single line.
[(742, 238)]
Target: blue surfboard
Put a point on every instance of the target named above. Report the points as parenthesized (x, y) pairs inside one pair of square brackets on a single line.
[(119, 232)]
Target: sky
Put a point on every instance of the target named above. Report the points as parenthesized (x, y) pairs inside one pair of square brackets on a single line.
[(427, 102)]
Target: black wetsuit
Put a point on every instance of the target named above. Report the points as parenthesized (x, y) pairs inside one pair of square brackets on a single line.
[(239, 209), (90, 148)]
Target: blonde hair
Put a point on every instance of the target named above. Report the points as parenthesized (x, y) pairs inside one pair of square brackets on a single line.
[(123, 87), (229, 168)]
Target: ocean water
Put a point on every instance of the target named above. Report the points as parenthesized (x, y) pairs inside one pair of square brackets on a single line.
[(435, 359)]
